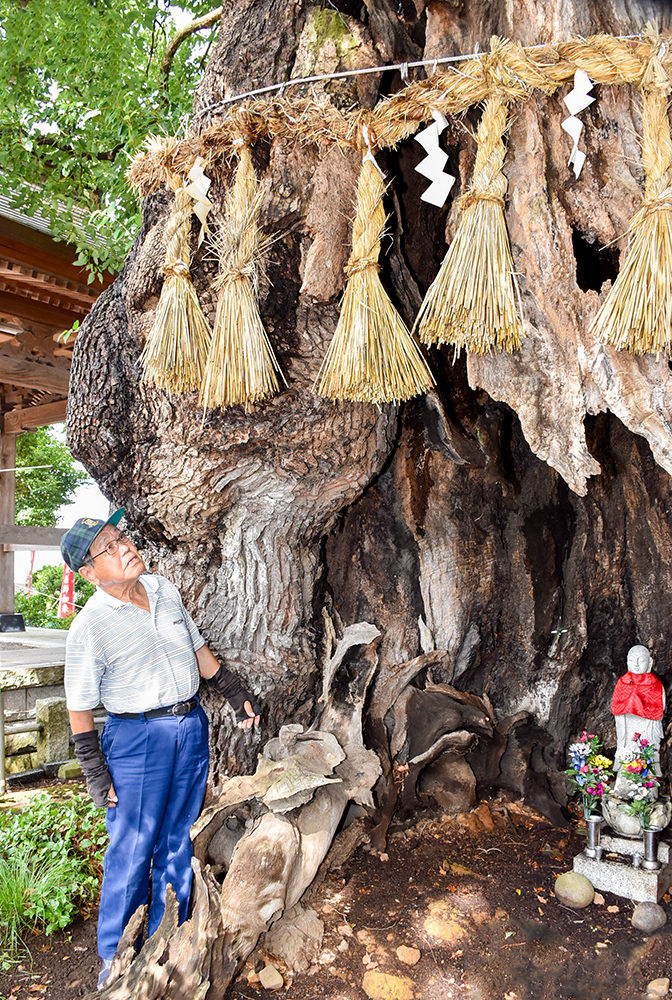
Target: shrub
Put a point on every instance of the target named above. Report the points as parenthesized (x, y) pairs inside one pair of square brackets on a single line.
[(40, 610), (51, 867)]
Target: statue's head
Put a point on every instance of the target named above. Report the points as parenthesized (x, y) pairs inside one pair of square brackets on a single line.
[(639, 660)]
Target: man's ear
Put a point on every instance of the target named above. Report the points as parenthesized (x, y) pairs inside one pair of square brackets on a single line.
[(89, 573)]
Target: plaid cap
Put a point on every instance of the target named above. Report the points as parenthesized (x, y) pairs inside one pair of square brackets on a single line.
[(78, 540)]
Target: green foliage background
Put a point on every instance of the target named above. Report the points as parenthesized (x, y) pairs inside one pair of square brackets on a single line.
[(80, 90), (40, 610), (40, 492)]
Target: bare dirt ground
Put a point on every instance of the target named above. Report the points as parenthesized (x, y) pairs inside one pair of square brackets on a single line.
[(472, 895)]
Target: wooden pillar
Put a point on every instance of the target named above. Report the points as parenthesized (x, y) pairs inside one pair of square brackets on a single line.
[(7, 516)]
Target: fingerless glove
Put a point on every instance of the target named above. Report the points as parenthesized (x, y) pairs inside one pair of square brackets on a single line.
[(227, 684), (94, 766)]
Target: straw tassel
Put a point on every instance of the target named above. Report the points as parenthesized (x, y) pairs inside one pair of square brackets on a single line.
[(472, 302), (241, 365), (637, 313), (177, 344), (372, 356)]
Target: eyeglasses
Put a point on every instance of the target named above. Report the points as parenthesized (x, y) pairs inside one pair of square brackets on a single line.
[(111, 547)]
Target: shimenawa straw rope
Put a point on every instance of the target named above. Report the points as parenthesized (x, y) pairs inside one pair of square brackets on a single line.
[(472, 302), (241, 365), (372, 356), (637, 312), (177, 344), (605, 58)]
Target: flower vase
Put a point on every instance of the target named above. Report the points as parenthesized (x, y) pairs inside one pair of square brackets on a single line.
[(651, 837), (593, 828)]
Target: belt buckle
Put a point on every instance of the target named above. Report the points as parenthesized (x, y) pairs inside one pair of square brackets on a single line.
[(178, 708)]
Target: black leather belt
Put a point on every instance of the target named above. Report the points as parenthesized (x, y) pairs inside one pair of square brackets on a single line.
[(179, 708)]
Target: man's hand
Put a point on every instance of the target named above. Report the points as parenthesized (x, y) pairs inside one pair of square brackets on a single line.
[(245, 706), (112, 798), (94, 767), (253, 719)]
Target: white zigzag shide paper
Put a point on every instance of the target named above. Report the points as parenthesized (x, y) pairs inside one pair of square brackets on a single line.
[(577, 100), (433, 165)]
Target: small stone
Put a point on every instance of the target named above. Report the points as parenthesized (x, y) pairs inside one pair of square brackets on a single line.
[(270, 978), (613, 909), (409, 956), (342, 945), (345, 929), (441, 923), (658, 988), (384, 857), (70, 769), (648, 917), (598, 899), (573, 889), (382, 986)]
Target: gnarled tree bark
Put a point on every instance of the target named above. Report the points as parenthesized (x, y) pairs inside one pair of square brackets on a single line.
[(523, 510)]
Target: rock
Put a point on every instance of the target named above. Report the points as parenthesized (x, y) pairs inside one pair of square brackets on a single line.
[(572, 889), (410, 956), (296, 938), (441, 923), (270, 978), (648, 917), (70, 769), (382, 986), (598, 899), (451, 782), (658, 988), (342, 945)]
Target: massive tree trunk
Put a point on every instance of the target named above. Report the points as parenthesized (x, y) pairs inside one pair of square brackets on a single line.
[(522, 510)]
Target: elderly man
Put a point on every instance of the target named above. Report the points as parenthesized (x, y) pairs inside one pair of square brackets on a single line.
[(135, 648)]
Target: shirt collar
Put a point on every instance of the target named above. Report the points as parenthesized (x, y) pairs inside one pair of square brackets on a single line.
[(150, 583)]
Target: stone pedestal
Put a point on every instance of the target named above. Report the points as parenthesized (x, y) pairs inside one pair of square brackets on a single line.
[(53, 740), (618, 875), (611, 843)]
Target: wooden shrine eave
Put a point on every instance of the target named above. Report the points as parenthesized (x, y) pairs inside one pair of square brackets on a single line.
[(29, 418), (30, 374), (42, 294), (15, 537)]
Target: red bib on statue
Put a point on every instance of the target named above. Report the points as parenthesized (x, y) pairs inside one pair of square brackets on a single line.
[(638, 694)]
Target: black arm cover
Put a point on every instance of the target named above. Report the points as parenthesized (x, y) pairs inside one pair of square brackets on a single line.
[(94, 767), (228, 685)]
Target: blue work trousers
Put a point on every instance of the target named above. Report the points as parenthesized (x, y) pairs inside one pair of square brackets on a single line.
[(159, 768)]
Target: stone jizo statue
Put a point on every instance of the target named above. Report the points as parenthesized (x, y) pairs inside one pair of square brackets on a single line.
[(637, 704)]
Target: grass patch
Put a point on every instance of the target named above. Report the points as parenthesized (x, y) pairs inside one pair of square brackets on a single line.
[(51, 855)]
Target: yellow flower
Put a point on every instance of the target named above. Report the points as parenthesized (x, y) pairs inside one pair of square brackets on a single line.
[(600, 761)]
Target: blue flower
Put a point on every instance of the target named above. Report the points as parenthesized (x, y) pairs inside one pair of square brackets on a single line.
[(581, 779)]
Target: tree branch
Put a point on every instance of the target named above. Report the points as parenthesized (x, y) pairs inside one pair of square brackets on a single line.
[(51, 143), (173, 45)]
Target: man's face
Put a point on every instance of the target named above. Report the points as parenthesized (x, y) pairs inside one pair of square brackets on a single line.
[(108, 568)]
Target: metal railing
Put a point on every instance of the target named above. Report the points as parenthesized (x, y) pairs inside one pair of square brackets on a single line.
[(12, 729)]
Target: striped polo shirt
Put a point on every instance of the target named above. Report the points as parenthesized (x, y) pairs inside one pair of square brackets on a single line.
[(132, 660)]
